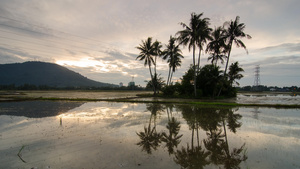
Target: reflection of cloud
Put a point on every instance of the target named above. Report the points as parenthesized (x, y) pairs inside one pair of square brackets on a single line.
[(117, 115)]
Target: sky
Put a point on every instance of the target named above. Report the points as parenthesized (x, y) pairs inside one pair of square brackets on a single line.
[(98, 38)]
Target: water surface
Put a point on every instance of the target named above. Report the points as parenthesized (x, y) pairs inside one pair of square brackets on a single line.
[(46, 134)]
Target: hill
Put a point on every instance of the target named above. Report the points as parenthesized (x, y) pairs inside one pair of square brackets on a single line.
[(42, 73)]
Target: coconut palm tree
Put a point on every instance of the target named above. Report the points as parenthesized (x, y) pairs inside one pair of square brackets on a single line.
[(233, 34), (203, 35), (217, 47), (189, 36), (147, 51), (173, 55), (234, 73), (234, 31), (157, 53)]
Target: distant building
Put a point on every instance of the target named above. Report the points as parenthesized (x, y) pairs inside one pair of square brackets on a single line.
[(121, 84)]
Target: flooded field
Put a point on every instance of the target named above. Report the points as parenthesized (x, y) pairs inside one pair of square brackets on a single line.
[(268, 98), (244, 98), (45, 134)]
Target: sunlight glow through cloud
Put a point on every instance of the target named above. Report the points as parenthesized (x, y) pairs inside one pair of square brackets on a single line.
[(101, 37)]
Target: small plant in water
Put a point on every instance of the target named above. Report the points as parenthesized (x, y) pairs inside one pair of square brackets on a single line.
[(20, 154)]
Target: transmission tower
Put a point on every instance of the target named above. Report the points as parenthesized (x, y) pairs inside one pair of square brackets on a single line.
[(256, 77)]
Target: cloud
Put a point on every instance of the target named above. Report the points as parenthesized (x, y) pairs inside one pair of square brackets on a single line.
[(107, 33)]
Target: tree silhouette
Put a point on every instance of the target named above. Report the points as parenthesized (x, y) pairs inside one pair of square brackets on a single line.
[(211, 79), (234, 73), (147, 52), (157, 53), (173, 55), (217, 47), (234, 31), (189, 36), (203, 35)]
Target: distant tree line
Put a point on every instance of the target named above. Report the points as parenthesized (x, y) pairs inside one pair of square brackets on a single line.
[(46, 87), (206, 81)]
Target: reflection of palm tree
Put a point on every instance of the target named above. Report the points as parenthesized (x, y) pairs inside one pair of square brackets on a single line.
[(173, 139), (215, 123), (234, 158), (214, 144), (150, 139), (192, 158), (233, 120)]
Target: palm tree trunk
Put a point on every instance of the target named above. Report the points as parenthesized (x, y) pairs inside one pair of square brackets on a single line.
[(152, 79), (155, 65), (228, 58), (199, 59), (195, 89), (230, 44), (169, 75)]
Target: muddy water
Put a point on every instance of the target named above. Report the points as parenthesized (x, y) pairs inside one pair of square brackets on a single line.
[(125, 135)]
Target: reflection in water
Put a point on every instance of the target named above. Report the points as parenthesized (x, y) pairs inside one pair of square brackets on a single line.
[(150, 139), (114, 135), (171, 139), (215, 148), (37, 109)]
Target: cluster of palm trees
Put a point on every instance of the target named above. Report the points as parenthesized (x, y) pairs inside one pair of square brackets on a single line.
[(149, 51), (195, 35)]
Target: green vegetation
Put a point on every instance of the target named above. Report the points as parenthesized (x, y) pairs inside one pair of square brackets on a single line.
[(137, 99), (197, 82)]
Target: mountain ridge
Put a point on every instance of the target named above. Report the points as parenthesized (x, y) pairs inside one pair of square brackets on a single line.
[(44, 73)]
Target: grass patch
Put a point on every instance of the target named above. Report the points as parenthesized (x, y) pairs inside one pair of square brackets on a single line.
[(167, 100), (131, 100)]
